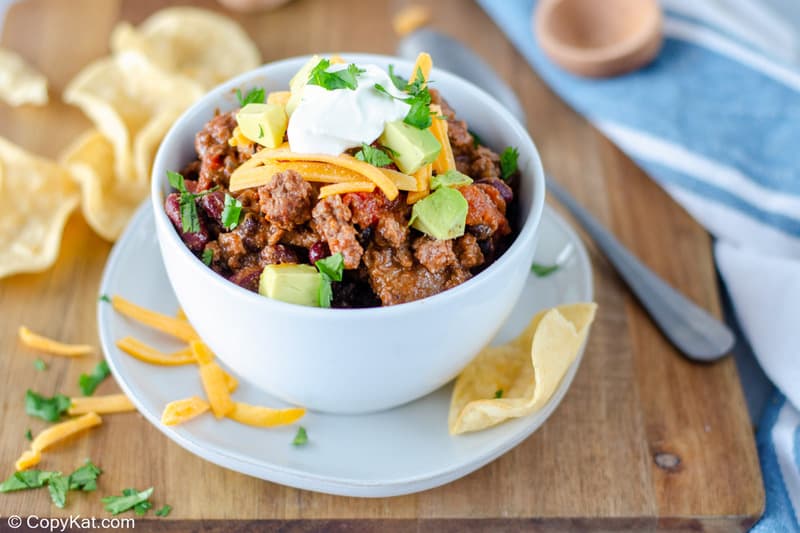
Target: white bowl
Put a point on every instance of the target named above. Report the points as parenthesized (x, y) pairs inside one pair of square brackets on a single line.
[(350, 360)]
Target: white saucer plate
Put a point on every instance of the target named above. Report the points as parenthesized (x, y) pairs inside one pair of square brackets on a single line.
[(400, 451)]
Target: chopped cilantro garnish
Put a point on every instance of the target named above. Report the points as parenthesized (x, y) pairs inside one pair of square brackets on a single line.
[(58, 485), (340, 79), (373, 156), (29, 435), (231, 212), (164, 511), (26, 479), (330, 270), (543, 270), (84, 478), (508, 161), (49, 409), (130, 499), (190, 220), (255, 96), (208, 256), (39, 365), (419, 98), (89, 382), (398, 81), (476, 140), (104, 298), (498, 393), (301, 438)]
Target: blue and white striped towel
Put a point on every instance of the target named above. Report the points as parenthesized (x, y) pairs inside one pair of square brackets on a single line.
[(716, 122)]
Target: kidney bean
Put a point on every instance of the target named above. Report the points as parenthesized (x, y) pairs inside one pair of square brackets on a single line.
[(318, 251), (501, 186), (213, 204), (195, 241), (247, 278)]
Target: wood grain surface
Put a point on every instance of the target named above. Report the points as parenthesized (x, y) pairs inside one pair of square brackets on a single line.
[(635, 402)]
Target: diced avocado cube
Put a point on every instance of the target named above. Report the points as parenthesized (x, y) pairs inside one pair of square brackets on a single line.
[(298, 81), (295, 284), (263, 123), (442, 214), (412, 146)]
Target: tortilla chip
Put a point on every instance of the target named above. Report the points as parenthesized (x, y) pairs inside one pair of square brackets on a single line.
[(36, 198), (107, 203), (20, 83), (199, 44), (133, 103), (518, 378)]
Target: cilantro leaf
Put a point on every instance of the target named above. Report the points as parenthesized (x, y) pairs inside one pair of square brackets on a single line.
[(498, 393), (176, 181), (190, 220), (544, 270), (129, 500), (301, 438), (330, 270), (29, 435), (255, 96), (164, 511), (231, 212), (476, 140), (89, 382), (208, 256), (508, 161), (339, 79), (398, 81), (49, 409), (104, 298), (419, 115), (39, 365), (331, 266), (58, 485), (26, 479), (85, 477), (325, 294), (373, 156)]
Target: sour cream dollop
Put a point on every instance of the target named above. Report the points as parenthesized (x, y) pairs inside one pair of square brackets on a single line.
[(330, 122)]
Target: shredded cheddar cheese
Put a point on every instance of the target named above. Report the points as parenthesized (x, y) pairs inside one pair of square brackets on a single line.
[(28, 459), (445, 160), (113, 403), (181, 411), (255, 415), (342, 188), (148, 354), (166, 324), (423, 63), (216, 387), (348, 162), (58, 432), (38, 342)]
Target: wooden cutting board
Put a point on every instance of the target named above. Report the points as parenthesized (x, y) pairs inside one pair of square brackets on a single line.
[(643, 440)]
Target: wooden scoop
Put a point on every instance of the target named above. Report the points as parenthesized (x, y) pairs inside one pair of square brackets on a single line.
[(599, 38)]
